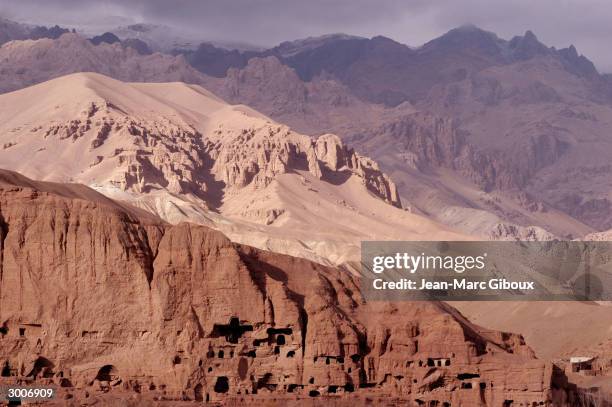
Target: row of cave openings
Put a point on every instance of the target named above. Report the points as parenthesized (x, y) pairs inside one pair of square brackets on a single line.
[(234, 330), (42, 368)]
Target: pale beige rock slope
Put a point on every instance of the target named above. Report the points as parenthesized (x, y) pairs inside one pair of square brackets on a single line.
[(182, 153)]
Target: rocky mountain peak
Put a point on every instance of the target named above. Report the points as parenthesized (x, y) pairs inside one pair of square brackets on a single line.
[(576, 63), (527, 46), (466, 37), (288, 49)]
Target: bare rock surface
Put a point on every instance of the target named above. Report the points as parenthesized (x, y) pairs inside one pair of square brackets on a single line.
[(104, 303), (27, 62), (178, 151), (513, 118)]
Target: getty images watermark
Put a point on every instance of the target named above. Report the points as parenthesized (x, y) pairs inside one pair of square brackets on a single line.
[(486, 271)]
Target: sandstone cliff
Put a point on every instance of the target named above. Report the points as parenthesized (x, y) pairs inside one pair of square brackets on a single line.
[(105, 302)]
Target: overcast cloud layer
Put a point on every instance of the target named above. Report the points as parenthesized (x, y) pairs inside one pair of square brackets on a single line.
[(584, 23)]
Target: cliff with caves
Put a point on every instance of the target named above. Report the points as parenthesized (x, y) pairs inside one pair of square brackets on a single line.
[(104, 301)]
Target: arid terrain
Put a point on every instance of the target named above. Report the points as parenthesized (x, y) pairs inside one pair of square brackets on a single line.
[(105, 300), (190, 224)]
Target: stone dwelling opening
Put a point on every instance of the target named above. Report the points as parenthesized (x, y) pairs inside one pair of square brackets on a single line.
[(279, 331), (264, 382), (197, 393), (6, 369), (466, 376), (64, 382), (107, 373), (232, 331), (41, 365), (221, 385), (581, 363)]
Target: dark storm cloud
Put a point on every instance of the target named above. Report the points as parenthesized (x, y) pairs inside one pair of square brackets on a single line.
[(584, 23)]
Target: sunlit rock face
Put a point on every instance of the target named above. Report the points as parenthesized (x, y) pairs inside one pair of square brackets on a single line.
[(106, 300)]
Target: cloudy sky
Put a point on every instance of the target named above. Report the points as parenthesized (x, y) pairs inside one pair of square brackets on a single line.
[(584, 23)]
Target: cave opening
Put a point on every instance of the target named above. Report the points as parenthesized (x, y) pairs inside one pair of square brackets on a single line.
[(6, 370), (233, 330), (197, 393), (465, 376), (41, 365), (107, 373), (221, 385)]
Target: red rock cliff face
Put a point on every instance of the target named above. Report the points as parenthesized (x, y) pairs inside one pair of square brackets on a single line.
[(103, 300)]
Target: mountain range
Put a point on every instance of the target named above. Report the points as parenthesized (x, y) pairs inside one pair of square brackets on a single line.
[(184, 154), (517, 127), (304, 149)]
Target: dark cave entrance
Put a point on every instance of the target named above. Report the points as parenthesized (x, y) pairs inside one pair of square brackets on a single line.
[(107, 373), (222, 385)]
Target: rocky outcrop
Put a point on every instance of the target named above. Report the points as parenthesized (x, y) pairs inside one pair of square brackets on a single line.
[(257, 155), (436, 141), (104, 301), (24, 63), (313, 107), (11, 30), (138, 150)]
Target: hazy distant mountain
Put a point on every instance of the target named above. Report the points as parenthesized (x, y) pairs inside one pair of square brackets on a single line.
[(167, 39), (24, 63), (213, 60), (106, 38), (524, 126), (10, 30)]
